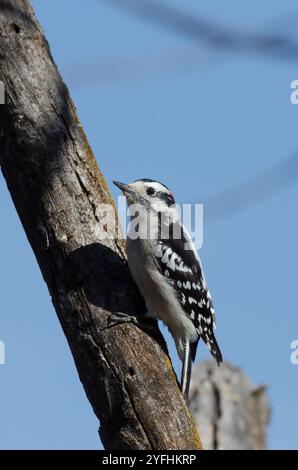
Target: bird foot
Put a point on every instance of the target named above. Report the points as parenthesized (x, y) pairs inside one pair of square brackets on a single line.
[(117, 318)]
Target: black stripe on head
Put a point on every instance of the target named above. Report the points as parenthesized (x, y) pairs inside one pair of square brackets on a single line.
[(166, 197), (148, 180)]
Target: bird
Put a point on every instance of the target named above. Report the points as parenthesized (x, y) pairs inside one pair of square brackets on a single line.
[(166, 267)]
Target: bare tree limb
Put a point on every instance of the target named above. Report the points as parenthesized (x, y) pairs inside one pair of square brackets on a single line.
[(57, 189), (231, 412)]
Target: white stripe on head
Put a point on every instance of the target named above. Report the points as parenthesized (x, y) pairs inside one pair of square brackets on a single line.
[(157, 186)]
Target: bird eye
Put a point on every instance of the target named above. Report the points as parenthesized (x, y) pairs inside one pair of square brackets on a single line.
[(151, 192)]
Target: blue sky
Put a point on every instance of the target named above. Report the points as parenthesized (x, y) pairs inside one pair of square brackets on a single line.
[(152, 108)]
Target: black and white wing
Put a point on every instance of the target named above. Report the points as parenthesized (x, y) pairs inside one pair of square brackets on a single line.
[(180, 264)]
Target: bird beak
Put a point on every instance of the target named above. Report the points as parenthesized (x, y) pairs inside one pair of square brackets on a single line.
[(124, 187), (132, 196)]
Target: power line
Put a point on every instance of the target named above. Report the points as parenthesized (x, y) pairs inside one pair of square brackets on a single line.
[(174, 61), (212, 34), (269, 182), (252, 192)]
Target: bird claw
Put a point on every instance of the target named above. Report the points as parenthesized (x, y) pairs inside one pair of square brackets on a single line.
[(118, 318), (141, 321)]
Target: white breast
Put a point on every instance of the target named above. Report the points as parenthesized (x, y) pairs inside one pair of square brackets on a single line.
[(159, 295)]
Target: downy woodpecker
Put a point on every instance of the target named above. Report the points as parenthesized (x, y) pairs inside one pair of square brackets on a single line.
[(167, 269)]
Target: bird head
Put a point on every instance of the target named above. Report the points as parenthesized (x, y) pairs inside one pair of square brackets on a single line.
[(149, 193)]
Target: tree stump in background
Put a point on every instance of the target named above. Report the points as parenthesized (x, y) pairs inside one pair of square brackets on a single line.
[(229, 411)]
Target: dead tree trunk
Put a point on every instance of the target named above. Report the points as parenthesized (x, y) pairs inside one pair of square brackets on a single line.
[(57, 189), (230, 412)]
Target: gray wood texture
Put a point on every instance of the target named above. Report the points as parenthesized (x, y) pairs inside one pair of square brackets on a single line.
[(58, 189), (230, 413)]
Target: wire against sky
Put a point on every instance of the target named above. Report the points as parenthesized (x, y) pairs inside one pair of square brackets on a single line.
[(173, 61), (263, 185), (176, 61), (253, 191), (212, 34)]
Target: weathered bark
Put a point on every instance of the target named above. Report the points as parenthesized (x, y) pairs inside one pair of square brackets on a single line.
[(57, 189), (230, 412)]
